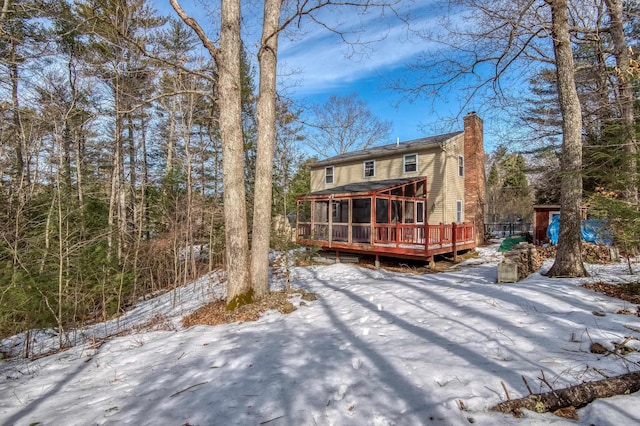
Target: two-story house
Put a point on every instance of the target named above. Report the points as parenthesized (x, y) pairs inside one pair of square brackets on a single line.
[(410, 199)]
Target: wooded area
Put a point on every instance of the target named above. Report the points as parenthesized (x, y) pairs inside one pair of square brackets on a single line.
[(111, 159), (132, 144), (124, 148)]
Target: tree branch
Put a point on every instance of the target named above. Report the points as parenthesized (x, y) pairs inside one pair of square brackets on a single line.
[(574, 396), (213, 50)]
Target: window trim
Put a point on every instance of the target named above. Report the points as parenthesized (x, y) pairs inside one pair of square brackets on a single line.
[(461, 165), (364, 168), (404, 163), (327, 175)]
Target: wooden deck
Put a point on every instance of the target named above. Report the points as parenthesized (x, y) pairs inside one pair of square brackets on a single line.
[(394, 240)]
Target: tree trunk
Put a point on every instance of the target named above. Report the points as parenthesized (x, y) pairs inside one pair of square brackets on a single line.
[(625, 99), (114, 187), (574, 396), (235, 210), (187, 130), (227, 59), (21, 177), (568, 261), (130, 207), (266, 110)]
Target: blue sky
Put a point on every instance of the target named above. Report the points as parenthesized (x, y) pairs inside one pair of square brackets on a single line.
[(327, 66), (315, 64)]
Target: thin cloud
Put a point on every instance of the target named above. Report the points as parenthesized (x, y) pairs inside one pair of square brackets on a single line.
[(325, 62)]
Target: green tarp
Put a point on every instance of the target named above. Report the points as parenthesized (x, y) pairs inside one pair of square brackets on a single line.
[(511, 241)]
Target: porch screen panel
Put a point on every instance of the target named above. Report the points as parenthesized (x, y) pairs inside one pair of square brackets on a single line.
[(361, 210), (382, 210), (341, 211), (396, 211), (321, 211), (321, 220), (304, 219), (409, 212), (340, 228), (304, 211), (409, 190), (361, 220)]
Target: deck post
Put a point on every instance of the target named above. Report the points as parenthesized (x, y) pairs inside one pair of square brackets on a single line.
[(426, 236), (432, 262), (350, 220), (372, 237), (377, 262), (312, 231), (330, 214), (453, 241), (338, 256)]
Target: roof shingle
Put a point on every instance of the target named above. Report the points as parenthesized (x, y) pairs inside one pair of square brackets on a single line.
[(379, 151)]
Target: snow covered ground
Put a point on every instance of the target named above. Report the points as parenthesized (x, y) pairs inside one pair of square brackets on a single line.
[(376, 348)]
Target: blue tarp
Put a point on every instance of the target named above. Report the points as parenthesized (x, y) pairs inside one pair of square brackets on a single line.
[(592, 231)]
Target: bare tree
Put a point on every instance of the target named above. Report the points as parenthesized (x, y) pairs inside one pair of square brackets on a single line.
[(358, 127), (343, 124), (227, 59), (266, 109), (624, 98), (238, 285), (568, 261)]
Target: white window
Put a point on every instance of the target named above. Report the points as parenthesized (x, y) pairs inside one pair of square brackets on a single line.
[(411, 163), (369, 168), (459, 211), (460, 165), (328, 174)]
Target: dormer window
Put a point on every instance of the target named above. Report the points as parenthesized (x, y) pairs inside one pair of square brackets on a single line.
[(411, 163), (328, 174), (369, 168)]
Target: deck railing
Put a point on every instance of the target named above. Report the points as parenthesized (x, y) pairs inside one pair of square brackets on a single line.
[(361, 233), (399, 235)]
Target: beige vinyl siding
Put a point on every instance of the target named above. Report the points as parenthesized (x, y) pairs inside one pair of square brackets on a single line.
[(391, 167), (445, 186), (317, 179), (451, 186), (439, 165)]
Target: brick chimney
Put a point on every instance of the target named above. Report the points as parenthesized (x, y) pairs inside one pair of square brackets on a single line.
[(474, 175)]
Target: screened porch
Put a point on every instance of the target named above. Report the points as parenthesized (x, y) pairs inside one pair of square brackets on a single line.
[(383, 218)]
